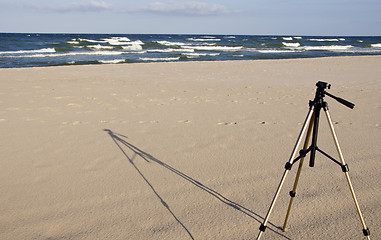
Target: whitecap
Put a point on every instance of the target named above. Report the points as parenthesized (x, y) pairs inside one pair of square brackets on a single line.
[(197, 55), (324, 39), (124, 39), (133, 47), (287, 38), (377, 45), (203, 39), (328, 48), (167, 50), (100, 47), (119, 41), (275, 51), (214, 48), (167, 43), (112, 61), (72, 42), (90, 40), (294, 45)]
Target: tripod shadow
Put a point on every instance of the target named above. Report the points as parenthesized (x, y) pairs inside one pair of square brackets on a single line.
[(120, 141)]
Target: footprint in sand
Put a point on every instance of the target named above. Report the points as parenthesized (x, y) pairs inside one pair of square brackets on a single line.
[(71, 123), (152, 121), (227, 123), (74, 105), (61, 97), (183, 121)]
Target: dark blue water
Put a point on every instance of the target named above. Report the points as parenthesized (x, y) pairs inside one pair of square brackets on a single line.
[(33, 50)]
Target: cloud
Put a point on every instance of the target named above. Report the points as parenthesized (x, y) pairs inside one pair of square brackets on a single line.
[(170, 7), (92, 6), (89, 6), (185, 8)]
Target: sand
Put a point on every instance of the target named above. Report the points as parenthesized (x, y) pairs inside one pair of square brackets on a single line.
[(187, 150)]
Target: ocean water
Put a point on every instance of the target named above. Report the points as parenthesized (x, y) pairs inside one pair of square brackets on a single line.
[(34, 50)]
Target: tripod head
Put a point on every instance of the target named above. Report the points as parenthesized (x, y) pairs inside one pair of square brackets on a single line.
[(318, 103), (320, 94)]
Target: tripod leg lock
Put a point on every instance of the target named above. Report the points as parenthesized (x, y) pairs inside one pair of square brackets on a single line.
[(345, 168), (288, 166), (262, 227), (366, 232), (292, 194)]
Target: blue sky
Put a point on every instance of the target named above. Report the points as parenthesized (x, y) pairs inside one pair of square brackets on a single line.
[(252, 17)]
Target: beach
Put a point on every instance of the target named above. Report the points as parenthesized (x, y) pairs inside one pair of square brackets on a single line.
[(185, 150)]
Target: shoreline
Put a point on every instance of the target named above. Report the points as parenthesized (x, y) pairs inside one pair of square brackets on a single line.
[(193, 61)]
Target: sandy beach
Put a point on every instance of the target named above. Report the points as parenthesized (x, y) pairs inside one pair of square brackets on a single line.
[(186, 150)]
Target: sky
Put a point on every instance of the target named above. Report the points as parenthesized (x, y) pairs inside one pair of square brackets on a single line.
[(244, 17)]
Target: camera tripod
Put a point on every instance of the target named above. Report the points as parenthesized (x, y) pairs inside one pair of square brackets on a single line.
[(311, 125)]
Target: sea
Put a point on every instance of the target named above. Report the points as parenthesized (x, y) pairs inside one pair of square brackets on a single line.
[(39, 50)]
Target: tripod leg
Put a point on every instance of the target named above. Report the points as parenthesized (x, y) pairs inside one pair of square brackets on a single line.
[(293, 192), (345, 170), (288, 168)]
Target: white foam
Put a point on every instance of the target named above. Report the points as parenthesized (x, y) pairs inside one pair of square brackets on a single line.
[(275, 51), (166, 43), (287, 38), (160, 59), (112, 61), (324, 39), (197, 55), (137, 42), (203, 39), (43, 50), (328, 48), (115, 41), (72, 42), (377, 45), (90, 40), (99, 47), (123, 39), (112, 41), (133, 47), (293, 45), (298, 38), (167, 50), (214, 48)]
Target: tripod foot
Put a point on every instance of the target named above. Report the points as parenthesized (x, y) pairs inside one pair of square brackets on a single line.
[(262, 228), (366, 232)]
